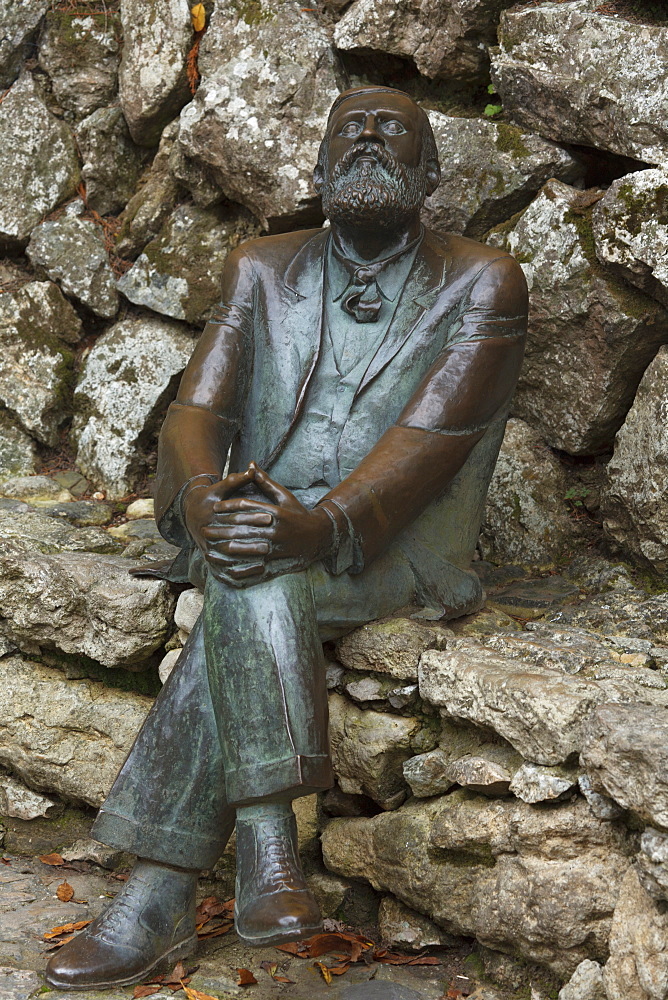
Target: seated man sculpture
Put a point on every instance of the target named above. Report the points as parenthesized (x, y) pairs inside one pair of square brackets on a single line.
[(361, 375)]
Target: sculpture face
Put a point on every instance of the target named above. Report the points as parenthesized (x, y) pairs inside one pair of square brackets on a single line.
[(374, 170)]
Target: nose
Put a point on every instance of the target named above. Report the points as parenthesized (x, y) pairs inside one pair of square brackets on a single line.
[(371, 132)]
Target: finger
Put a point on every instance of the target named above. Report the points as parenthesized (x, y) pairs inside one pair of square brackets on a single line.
[(258, 520), (241, 532), (244, 550), (241, 505), (234, 481), (274, 490)]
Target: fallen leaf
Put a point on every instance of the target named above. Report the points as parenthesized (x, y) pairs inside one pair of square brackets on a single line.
[(326, 973), (5, 861), (65, 929), (246, 978), (59, 944), (217, 932), (64, 892), (197, 994), (52, 859), (271, 968), (198, 16), (145, 991)]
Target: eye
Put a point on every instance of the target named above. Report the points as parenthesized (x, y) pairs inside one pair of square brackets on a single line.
[(393, 127), (351, 129)]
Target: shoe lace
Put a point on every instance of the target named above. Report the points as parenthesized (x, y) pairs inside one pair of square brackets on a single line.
[(123, 906), (280, 866)]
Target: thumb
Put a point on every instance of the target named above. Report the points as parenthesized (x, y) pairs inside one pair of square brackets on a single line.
[(272, 489)]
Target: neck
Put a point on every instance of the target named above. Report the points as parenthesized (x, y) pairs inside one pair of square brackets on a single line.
[(367, 244)]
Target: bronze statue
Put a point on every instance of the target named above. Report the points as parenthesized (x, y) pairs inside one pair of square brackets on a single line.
[(361, 375)]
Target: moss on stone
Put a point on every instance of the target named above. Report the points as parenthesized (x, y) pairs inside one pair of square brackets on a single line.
[(510, 139), (253, 12), (504, 228)]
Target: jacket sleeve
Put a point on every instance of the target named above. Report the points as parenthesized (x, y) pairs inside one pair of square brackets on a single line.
[(469, 386), (205, 417)]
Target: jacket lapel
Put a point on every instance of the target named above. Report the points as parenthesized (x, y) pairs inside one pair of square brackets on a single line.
[(304, 279), (419, 293)]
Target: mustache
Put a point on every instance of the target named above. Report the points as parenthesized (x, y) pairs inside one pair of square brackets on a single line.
[(373, 149)]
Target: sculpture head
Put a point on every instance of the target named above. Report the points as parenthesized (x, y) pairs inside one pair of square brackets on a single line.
[(377, 161)]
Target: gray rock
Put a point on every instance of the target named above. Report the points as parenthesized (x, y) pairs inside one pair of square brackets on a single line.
[(479, 775), (576, 75), (82, 513), (17, 984), (179, 272), (34, 489), (369, 749), (625, 754), (112, 162), (515, 164), (590, 335), (39, 166), (401, 697), (168, 663), (586, 983), (368, 689), (79, 734), (526, 519), (401, 927), (19, 802), (538, 883), (540, 784), (652, 863), (188, 609), (153, 202), (128, 377), (444, 40), (35, 364), (81, 56), (638, 965), (153, 82), (83, 604), (380, 991), (602, 806), (71, 252), (19, 20), (630, 225), (427, 773), (258, 116), (635, 504), (93, 850), (390, 646), (17, 449), (543, 713)]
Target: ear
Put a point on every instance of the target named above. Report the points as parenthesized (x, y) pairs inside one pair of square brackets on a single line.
[(433, 176), (319, 176)]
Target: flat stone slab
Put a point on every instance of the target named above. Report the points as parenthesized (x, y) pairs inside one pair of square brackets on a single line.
[(380, 991)]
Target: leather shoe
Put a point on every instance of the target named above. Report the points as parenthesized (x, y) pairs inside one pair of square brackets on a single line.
[(273, 903), (150, 922)]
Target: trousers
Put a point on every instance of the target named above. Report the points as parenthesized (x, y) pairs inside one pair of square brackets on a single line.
[(243, 716)]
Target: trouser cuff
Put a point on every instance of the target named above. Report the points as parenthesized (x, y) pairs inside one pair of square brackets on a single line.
[(291, 777), (167, 845)]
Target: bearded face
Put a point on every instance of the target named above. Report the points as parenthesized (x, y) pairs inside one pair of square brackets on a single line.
[(368, 185)]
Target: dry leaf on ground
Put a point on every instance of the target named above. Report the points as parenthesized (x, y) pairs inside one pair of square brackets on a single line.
[(197, 994), (64, 892), (246, 978), (65, 929), (52, 859), (326, 973), (145, 991)]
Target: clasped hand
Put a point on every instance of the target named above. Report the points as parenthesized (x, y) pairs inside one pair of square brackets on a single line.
[(241, 538)]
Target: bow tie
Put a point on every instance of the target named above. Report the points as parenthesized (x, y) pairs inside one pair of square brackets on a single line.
[(362, 299)]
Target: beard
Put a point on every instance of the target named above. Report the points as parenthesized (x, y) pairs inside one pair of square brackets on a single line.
[(386, 193)]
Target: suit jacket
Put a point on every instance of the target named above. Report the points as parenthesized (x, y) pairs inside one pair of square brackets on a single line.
[(422, 437)]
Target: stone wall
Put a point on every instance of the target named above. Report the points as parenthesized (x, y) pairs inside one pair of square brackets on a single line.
[(501, 778)]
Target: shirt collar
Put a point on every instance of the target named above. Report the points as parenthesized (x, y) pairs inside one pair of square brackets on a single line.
[(390, 280)]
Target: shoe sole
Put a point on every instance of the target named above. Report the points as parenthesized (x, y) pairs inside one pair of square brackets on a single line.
[(181, 950), (281, 937)]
